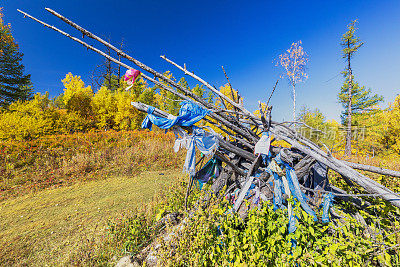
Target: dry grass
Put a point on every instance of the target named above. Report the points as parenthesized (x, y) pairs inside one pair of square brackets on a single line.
[(62, 160)]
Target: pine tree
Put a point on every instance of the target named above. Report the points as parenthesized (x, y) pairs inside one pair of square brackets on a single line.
[(14, 85), (350, 44), (362, 100), (115, 82)]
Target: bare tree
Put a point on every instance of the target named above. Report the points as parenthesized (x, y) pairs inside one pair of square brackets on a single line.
[(294, 62)]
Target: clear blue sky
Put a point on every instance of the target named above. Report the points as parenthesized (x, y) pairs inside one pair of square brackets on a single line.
[(243, 36)]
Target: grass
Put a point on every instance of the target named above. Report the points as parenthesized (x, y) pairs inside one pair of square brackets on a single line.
[(58, 192), (61, 160), (63, 226)]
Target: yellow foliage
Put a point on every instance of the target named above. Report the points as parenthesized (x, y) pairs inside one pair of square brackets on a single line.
[(77, 97), (71, 121), (104, 106), (28, 120), (230, 93), (281, 143)]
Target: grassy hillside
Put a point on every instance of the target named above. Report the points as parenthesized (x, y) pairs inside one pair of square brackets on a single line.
[(67, 225), (59, 160)]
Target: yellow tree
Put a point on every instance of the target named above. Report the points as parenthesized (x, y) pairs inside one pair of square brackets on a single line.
[(104, 108), (294, 61), (77, 98), (28, 119), (392, 118), (230, 93)]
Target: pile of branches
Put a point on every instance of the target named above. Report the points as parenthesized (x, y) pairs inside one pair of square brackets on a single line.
[(242, 128)]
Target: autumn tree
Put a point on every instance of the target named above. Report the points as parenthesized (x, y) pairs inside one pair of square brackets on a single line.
[(313, 119), (14, 84), (104, 107), (350, 44), (318, 129), (392, 120), (77, 97), (294, 61), (24, 120)]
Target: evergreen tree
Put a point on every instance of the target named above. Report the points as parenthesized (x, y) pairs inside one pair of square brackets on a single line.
[(350, 44), (114, 85), (362, 100), (14, 85)]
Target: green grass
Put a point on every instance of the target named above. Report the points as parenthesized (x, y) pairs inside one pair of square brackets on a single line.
[(63, 226)]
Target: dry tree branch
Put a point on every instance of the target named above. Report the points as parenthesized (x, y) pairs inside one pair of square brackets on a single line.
[(273, 90)]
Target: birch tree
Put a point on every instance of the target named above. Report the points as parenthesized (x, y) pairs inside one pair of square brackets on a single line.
[(294, 61)]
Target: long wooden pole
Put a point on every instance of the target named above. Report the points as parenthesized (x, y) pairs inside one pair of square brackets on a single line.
[(224, 144), (184, 95), (204, 103), (373, 169), (368, 184)]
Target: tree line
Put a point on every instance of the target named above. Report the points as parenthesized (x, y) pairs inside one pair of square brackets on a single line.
[(364, 126)]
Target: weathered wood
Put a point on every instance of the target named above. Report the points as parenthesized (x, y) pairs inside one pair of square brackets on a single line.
[(229, 163), (302, 168), (368, 184), (186, 93), (373, 169), (289, 156), (221, 180), (240, 140), (246, 186), (224, 144)]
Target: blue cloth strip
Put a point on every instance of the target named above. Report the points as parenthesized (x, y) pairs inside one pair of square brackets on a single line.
[(210, 169), (326, 204), (296, 191), (189, 114), (204, 141)]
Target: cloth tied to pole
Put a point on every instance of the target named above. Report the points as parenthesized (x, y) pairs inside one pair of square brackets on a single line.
[(262, 146), (189, 114), (326, 204), (130, 77), (205, 141), (211, 169)]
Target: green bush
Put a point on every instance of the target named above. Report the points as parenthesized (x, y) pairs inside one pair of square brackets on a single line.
[(217, 237)]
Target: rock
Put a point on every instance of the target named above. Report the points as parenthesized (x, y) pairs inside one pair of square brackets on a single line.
[(151, 259), (127, 261)]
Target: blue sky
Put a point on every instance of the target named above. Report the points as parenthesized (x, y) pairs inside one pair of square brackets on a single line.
[(243, 36)]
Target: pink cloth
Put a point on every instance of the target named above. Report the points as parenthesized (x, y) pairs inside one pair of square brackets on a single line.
[(131, 75)]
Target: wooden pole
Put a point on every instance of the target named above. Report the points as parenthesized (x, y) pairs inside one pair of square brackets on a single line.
[(368, 184), (373, 169), (186, 93)]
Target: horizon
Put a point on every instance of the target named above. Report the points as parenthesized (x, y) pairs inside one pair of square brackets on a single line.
[(243, 39)]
